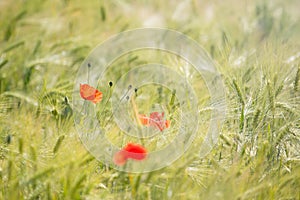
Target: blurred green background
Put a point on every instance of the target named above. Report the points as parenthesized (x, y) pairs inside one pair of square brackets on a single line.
[(256, 47)]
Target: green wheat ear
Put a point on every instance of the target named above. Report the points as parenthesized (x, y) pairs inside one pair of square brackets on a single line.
[(238, 91), (58, 143), (13, 46)]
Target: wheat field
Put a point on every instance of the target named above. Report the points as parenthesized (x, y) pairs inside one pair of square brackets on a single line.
[(255, 46)]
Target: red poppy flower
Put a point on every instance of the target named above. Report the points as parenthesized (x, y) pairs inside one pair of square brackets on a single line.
[(130, 151), (156, 119), (89, 93)]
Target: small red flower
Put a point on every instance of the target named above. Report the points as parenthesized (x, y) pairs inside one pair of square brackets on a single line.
[(89, 93), (130, 151), (156, 119)]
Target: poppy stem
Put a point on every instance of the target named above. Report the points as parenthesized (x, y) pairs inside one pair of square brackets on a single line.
[(136, 112), (131, 181), (107, 100), (88, 73), (137, 182), (125, 95)]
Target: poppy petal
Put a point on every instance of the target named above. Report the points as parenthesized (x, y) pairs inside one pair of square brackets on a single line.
[(120, 158), (130, 151), (144, 119), (98, 97), (135, 151), (156, 120), (167, 123), (89, 93)]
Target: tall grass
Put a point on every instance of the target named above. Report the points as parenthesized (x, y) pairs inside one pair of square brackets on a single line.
[(256, 46)]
